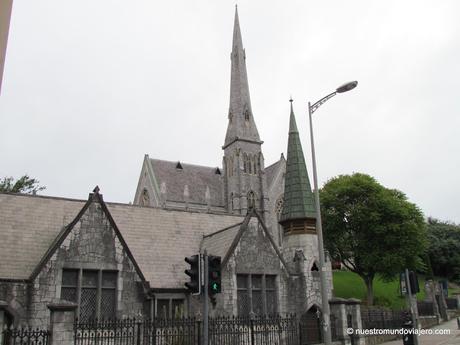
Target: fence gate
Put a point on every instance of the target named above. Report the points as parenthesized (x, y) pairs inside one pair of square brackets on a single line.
[(310, 327)]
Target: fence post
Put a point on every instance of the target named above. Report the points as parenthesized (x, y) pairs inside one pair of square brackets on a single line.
[(138, 326), (3, 306), (62, 321), (300, 332), (251, 323), (338, 309)]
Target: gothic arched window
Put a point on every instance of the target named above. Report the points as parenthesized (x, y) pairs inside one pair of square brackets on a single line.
[(245, 162), (279, 206), (250, 160), (230, 167), (246, 115), (251, 200), (145, 198)]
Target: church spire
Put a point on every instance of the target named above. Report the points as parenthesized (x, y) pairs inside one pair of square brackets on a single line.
[(299, 212), (241, 123)]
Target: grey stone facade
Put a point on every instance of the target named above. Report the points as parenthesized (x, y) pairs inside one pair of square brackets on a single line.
[(91, 245)]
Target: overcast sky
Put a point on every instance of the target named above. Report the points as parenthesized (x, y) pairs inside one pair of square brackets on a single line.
[(91, 86)]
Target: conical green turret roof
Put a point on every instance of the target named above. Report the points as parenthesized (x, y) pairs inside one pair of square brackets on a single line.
[(298, 197)]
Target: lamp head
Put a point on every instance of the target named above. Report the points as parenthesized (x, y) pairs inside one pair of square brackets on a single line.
[(347, 87)]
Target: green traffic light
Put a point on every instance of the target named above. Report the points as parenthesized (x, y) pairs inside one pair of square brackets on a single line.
[(214, 286)]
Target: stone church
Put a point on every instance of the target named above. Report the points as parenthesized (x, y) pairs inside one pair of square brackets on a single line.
[(113, 259)]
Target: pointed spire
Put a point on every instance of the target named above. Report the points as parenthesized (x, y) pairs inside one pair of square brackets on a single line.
[(237, 39), (292, 123), (298, 197), (241, 123)]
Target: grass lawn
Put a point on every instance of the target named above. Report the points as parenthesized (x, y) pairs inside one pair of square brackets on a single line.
[(350, 285)]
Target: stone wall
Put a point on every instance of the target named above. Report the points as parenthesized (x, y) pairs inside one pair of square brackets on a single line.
[(16, 296), (275, 193), (253, 255), (92, 244), (428, 321), (300, 252)]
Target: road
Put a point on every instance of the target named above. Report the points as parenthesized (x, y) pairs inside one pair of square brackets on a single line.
[(451, 339)]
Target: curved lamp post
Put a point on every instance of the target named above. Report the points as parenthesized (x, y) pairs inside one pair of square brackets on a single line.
[(324, 298)]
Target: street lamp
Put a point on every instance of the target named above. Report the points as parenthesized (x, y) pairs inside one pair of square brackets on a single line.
[(324, 299)]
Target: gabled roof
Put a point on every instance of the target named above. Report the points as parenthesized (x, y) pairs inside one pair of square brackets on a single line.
[(65, 231), (28, 227), (197, 178), (158, 239), (224, 242), (272, 170), (218, 243)]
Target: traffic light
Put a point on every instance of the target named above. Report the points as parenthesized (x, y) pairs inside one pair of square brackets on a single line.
[(413, 281), (214, 276), (194, 285)]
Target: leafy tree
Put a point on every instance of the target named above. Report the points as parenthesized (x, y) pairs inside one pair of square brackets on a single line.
[(444, 248), (371, 229), (24, 185)]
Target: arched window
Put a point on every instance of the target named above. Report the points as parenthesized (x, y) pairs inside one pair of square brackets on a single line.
[(230, 166), (279, 206), (245, 162), (254, 164), (251, 200), (250, 160), (246, 115), (314, 270), (145, 198), (232, 204)]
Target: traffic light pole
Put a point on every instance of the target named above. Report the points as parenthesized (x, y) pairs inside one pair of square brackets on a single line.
[(206, 299), (411, 305)]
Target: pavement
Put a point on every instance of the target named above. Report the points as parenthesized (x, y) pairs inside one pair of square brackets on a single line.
[(437, 339)]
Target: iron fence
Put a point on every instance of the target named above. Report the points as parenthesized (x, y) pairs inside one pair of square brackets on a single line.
[(25, 336), (159, 331), (253, 331), (452, 303), (270, 330), (380, 318), (107, 332), (425, 308)]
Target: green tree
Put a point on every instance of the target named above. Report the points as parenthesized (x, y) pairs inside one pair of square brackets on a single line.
[(371, 229), (444, 248), (24, 185)]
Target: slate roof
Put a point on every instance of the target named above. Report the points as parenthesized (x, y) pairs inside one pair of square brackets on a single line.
[(219, 243), (271, 170), (298, 197), (28, 226), (159, 239), (196, 177)]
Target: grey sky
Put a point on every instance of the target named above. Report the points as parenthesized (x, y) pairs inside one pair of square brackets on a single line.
[(91, 86)]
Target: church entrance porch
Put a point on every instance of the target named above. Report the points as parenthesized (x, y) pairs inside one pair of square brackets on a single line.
[(310, 327)]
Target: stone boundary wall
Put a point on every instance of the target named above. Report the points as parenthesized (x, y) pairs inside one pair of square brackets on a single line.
[(428, 321)]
